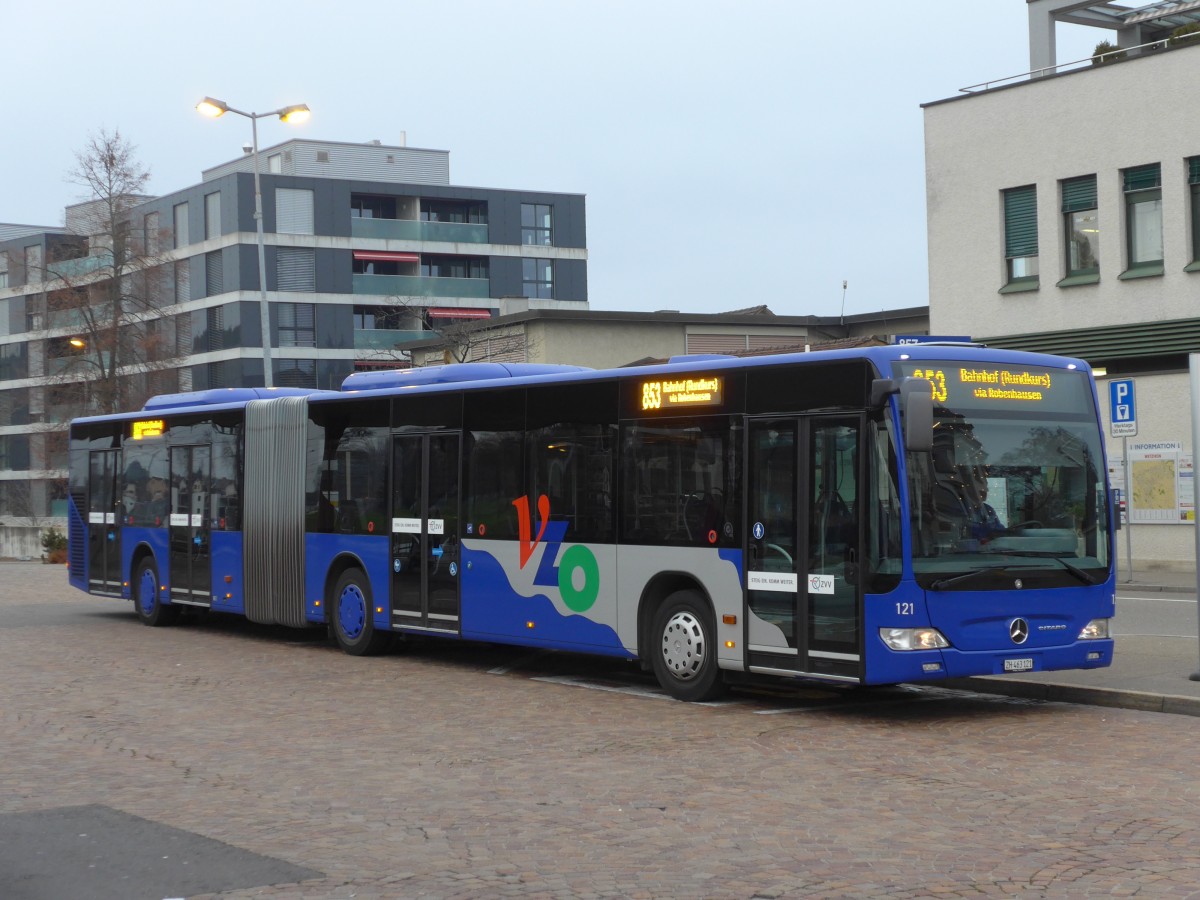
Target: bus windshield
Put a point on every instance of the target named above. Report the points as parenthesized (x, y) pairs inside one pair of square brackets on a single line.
[(1012, 490)]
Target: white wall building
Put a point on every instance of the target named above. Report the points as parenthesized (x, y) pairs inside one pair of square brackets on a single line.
[(1062, 213)]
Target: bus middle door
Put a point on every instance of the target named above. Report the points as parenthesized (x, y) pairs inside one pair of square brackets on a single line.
[(803, 595), (103, 528), (191, 559), (425, 533)]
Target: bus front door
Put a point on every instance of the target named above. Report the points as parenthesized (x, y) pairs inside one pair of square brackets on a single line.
[(191, 563), (803, 595), (425, 538), (104, 531)]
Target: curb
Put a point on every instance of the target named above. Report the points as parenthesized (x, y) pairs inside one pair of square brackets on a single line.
[(1073, 693)]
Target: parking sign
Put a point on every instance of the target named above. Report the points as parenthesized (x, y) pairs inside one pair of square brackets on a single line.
[(1122, 408)]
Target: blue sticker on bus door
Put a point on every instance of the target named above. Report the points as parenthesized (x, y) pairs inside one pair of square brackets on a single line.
[(759, 531)]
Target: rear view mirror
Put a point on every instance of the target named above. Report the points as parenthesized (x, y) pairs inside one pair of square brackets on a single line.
[(916, 403)]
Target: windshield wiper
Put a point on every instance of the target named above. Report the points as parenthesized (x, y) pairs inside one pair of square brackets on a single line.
[(943, 583), (1079, 573)]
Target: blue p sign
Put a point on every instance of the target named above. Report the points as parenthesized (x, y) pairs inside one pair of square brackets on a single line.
[(1122, 408)]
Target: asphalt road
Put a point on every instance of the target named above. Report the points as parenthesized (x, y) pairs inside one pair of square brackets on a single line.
[(1165, 613), (219, 758)]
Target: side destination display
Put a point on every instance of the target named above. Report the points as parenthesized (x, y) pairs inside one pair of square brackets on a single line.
[(964, 386)]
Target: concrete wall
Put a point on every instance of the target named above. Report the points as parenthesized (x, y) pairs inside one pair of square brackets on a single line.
[(21, 541)]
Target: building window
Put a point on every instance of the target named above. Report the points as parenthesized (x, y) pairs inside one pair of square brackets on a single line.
[(294, 211), (454, 266), (275, 163), (180, 213), (368, 206), (296, 327), (183, 280), (3, 270), (33, 265), (1194, 184), (457, 211), (150, 233), (215, 333), (1081, 221), (1143, 221), (536, 225), (1020, 239), (296, 269), (537, 278), (212, 215), (299, 373), (214, 273)]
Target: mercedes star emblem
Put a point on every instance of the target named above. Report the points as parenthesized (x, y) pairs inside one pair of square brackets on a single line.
[(1018, 630)]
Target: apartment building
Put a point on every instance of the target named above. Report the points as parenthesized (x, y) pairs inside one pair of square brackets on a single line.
[(367, 247), (1064, 216)]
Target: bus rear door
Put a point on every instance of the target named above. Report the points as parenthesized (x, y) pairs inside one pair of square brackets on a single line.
[(425, 538), (803, 594), (104, 531)]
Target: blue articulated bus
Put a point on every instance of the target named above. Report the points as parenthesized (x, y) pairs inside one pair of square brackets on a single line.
[(870, 516)]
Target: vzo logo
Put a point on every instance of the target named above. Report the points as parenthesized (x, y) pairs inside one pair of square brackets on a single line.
[(552, 571)]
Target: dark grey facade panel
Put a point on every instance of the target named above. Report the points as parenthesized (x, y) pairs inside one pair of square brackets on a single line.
[(334, 326)]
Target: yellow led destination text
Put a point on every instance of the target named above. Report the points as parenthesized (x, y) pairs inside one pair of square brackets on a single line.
[(681, 392), (1001, 384), (147, 428)]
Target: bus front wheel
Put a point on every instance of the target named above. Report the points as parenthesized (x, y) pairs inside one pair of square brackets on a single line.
[(353, 625), (147, 597), (684, 651)]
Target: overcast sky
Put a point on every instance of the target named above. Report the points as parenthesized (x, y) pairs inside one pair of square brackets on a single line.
[(732, 153)]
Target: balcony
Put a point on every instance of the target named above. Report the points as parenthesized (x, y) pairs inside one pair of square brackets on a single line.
[(81, 266), (414, 230), (382, 339), (421, 286)]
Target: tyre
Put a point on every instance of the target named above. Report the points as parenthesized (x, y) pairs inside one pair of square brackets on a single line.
[(147, 598), (684, 650), (353, 625)]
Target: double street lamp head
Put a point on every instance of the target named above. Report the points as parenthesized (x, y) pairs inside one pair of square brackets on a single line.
[(292, 115)]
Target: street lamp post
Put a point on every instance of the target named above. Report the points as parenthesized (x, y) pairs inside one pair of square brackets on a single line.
[(292, 115)]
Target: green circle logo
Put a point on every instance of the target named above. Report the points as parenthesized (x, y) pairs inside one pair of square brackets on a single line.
[(579, 557)]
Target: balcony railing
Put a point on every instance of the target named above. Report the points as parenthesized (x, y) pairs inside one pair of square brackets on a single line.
[(421, 286), (385, 338), (83, 265), (414, 230)]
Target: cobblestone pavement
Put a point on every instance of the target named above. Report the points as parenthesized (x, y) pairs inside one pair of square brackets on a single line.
[(468, 771)]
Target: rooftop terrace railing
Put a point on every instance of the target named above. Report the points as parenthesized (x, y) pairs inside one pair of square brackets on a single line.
[(1116, 54)]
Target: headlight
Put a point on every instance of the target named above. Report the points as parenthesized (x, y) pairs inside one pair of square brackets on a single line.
[(913, 638), (1097, 628)]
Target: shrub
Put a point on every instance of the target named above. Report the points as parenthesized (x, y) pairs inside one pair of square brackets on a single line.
[(1106, 53), (54, 543), (1184, 34)]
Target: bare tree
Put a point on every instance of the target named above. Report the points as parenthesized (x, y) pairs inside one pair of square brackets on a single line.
[(104, 283)]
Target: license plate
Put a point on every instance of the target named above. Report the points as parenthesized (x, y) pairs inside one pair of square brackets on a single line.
[(1018, 665)]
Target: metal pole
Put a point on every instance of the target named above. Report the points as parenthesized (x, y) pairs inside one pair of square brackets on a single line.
[(264, 314), (1194, 371), (1128, 509)]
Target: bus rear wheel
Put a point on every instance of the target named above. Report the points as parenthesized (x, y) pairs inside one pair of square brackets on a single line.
[(353, 625), (684, 651), (147, 598)]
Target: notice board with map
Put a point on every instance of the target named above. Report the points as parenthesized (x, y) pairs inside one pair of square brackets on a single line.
[(1160, 477)]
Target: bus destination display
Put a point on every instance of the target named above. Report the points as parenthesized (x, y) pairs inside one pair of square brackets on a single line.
[(673, 393), (974, 386), (145, 428)]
